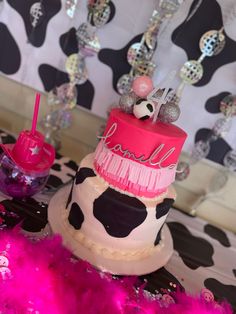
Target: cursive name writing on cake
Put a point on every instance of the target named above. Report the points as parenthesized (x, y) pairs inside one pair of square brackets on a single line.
[(126, 153)]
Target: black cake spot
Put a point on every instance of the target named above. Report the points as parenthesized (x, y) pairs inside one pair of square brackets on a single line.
[(163, 208), (56, 167), (158, 237), (183, 35), (83, 173), (76, 216), (221, 291), (36, 35), (10, 58), (213, 104), (160, 281), (70, 196), (119, 213), (194, 251), (218, 148), (234, 272), (217, 234), (117, 59)]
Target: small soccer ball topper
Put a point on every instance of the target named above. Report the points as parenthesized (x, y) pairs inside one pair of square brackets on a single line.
[(142, 86), (144, 109)]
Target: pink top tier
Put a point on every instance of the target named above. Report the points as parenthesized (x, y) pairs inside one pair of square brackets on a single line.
[(138, 156)]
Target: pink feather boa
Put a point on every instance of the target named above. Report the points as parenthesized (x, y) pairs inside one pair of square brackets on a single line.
[(44, 279)]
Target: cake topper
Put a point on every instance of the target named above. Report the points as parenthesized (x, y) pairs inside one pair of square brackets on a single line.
[(25, 165), (145, 101), (144, 109)]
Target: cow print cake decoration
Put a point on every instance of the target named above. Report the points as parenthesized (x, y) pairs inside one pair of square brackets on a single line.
[(163, 208), (76, 216), (117, 221), (82, 174)]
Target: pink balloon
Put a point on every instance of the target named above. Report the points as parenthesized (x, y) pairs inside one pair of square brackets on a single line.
[(142, 86)]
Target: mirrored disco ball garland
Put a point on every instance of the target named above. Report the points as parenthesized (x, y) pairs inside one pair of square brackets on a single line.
[(63, 99), (162, 103), (70, 7), (229, 104), (220, 129), (42, 277), (211, 44), (140, 54)]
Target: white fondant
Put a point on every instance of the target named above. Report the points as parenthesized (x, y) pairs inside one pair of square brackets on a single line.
[(141, 238), (157, 258)]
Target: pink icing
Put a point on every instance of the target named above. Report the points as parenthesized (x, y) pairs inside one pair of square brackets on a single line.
[(138, 156), (131, 176), (155, 145)]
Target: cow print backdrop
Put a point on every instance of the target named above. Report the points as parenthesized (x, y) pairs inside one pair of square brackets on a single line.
[(204, 255), (36, 57)]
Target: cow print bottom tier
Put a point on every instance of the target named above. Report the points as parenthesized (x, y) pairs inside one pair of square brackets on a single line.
[(111, 223)]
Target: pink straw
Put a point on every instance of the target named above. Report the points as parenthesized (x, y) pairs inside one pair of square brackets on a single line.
[(36, 111)]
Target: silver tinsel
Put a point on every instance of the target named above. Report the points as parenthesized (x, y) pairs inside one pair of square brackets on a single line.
[(127, 102), (191, 72), (169, 112), (212, 43)]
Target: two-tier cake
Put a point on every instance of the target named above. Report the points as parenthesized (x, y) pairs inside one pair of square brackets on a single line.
[(114, 214)]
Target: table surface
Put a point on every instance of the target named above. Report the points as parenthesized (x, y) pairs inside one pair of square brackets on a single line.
[(204, 255)]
